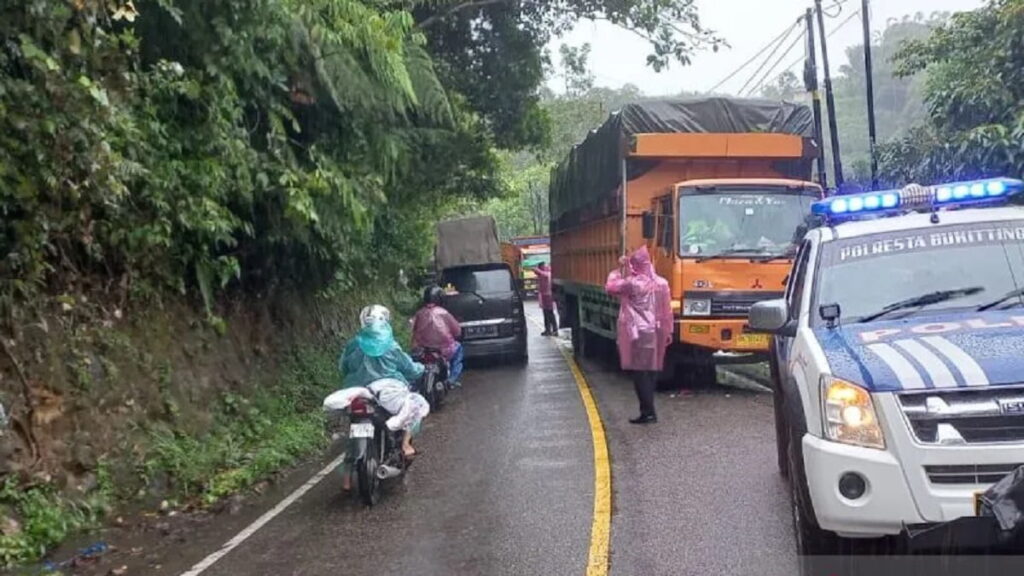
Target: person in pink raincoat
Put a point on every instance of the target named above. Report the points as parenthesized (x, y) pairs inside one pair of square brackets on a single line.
[(434, 327), (547, 300), (645, 325)]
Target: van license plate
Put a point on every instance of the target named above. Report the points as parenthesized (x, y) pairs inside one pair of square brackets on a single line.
[(361, 430), (481, 331)]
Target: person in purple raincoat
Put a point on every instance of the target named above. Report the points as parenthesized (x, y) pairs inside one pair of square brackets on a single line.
[(644, 327)]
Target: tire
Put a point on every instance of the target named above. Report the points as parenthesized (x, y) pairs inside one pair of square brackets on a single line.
[(366, 476), (577, 342), (779, 407), (430, 389), (441, 392), (697, 369), (522, 358), (781, 436), (810, 539)]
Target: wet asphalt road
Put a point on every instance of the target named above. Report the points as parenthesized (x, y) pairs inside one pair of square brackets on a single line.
[(505, 485), (697, 493)]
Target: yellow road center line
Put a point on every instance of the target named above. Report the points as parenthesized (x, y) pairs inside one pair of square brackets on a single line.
[(601, 527)]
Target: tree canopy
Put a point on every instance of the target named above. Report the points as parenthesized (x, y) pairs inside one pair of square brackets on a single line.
[(974, 127), (150, 146)]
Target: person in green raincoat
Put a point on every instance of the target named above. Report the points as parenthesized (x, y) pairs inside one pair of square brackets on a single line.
[(374, 354), (374, 360)]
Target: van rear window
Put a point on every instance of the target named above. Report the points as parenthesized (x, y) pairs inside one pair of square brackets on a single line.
[(481, 281)]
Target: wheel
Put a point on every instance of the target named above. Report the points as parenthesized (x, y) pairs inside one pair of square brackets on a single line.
[(577, 342), (810, 539), (430, 390), (781, 428), (522, 358), (781, 436), (366, 477), (440, 392), (698, 368)]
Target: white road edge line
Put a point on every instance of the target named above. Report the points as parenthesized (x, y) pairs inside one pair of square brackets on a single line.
[(262, 520)]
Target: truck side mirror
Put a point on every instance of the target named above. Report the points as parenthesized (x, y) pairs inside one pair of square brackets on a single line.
[(648, 225)]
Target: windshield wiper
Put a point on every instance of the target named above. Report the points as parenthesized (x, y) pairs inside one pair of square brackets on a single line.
[(1008, 296), (772, 258), (732, 252), (922, 300)]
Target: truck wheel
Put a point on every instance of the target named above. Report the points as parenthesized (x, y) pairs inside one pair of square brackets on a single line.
[(698, 368), (810, 539), (585, 344)]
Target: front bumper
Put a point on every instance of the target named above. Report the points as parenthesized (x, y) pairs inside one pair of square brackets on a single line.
[(494, 347), (887, 504), (900, 493), (720, 334)]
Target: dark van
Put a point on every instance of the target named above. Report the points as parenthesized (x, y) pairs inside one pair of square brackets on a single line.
[(489, 306)]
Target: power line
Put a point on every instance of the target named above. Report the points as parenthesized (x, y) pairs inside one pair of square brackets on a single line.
[(778, 38), (838, 27), (767, 59), (778, 61)]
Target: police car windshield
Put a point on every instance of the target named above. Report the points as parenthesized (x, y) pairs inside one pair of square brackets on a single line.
[(741, 222), (922, 272)]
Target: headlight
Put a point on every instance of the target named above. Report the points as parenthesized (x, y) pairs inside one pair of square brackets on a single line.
[(696, 307), (849, 414)]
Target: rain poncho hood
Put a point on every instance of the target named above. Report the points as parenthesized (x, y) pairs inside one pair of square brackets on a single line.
[(547, 301), (375, 355), (434, 327), (376, 339), (645, 313)]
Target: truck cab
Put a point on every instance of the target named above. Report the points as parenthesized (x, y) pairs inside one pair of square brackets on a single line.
[(725, 245), (896, 361)]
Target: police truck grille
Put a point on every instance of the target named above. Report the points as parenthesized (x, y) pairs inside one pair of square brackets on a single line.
[(957, 418), (969, 473)]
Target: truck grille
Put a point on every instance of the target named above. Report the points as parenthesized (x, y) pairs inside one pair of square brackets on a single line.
[(732, 304), (954, 418), (969, 473)]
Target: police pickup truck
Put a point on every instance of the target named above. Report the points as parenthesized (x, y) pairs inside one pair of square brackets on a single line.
[(898, 359)]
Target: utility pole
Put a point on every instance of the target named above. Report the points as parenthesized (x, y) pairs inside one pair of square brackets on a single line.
[(811, 84), (870, 82), (837, 163)]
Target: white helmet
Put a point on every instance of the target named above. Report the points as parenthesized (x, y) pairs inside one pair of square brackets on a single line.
[(374, 313)]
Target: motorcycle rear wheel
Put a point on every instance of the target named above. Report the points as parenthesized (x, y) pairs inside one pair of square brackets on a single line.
[(366, 478)]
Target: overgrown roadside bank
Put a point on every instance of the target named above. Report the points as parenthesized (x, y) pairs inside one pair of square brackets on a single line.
[(166, 414)]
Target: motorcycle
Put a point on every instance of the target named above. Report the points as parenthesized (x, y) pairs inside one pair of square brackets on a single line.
[(433, 385), (373, 453)]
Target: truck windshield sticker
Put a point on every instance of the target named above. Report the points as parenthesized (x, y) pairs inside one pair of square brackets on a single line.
[(750, 200), (876, 245)]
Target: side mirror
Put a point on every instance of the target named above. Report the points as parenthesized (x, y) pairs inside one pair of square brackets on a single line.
[(830, 313), (648, 225), (769, 316)]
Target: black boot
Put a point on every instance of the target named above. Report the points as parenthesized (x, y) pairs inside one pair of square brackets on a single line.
[(644, 419)]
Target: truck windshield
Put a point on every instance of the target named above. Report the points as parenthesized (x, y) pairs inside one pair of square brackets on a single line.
[(742, 222), (922, 272)]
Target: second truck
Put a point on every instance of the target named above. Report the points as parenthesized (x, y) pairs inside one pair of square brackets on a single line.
[(717, 188)]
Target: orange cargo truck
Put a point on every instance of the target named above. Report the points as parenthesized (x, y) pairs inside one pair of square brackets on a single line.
[(717, 188)]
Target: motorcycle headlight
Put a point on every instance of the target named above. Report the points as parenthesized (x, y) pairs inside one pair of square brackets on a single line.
[(696, 307), (849, 414)]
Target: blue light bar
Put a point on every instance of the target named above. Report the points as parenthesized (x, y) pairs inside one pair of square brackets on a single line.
[(989, 191)]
